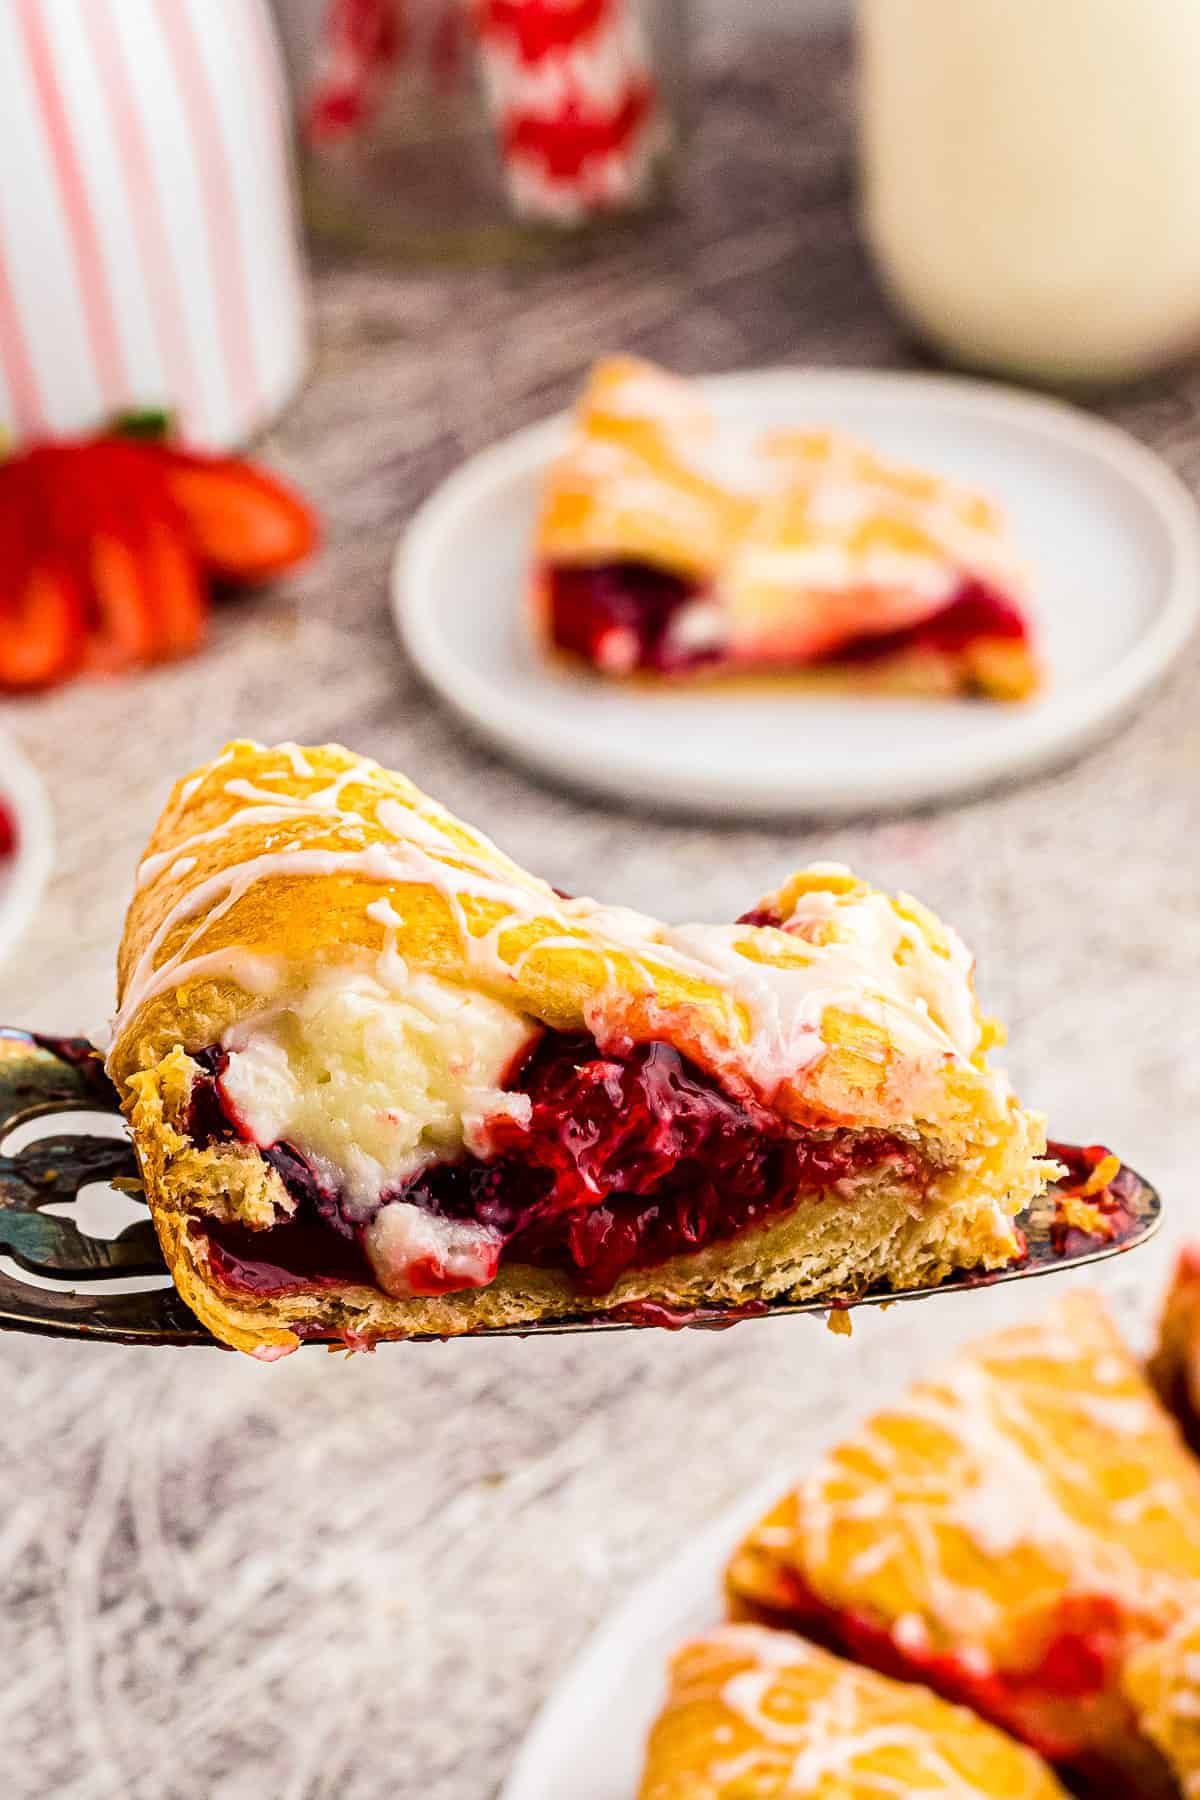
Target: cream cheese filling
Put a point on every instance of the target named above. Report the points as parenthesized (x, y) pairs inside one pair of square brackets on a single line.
[(371, 1086)]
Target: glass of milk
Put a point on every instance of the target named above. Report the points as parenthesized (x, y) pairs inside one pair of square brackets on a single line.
[(1031, 179)]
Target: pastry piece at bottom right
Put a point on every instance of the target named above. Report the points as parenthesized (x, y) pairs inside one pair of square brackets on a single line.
[(1019, 1533), (754, 1714), (1175, 1365), (1162, 1682)]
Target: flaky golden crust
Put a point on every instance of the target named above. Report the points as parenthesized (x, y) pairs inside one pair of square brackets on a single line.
[(543, 966), (479, 920), (273, 870)]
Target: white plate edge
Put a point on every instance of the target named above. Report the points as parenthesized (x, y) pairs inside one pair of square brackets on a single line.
[(1052, 738)]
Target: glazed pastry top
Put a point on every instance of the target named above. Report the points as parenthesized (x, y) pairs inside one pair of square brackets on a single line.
[(763, 1713), (1036, 1479), (275, 874), (650, 474)]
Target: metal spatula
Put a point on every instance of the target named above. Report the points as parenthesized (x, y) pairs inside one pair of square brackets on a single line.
[(41, 1181)]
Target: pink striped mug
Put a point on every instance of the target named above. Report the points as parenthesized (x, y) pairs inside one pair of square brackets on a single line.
[(148, 246)]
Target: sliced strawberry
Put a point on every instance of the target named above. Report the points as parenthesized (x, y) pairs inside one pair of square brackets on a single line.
[(42, 620), (245, 525), (105, 546), (41, 631), (127, 628), (144, 579), (91, 496), (179, 589)]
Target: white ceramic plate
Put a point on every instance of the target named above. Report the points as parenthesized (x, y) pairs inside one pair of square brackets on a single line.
[(1112, 535), (23, 876), (588, 1739)]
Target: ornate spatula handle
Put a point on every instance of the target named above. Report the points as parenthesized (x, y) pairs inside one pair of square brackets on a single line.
[(38, 1079)]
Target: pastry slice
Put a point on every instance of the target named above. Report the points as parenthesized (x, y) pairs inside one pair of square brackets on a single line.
[(382, 1082), (670, 544), (760, 1715), (1013, 1532)]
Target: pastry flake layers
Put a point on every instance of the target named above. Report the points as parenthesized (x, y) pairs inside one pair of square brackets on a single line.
[(343, 1008), (760, 1715), (672, 544), (1014, 1532)]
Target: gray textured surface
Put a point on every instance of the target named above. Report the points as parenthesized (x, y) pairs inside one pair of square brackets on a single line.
[(224, 1582)]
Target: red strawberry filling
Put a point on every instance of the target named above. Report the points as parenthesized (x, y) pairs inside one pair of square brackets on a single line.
[(623, 617), (1063, 1702), (627, 617), (1087, 1211), (626, 1160), (8, 831)]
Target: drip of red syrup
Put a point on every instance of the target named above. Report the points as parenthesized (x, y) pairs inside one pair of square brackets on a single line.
[(654, 1314)]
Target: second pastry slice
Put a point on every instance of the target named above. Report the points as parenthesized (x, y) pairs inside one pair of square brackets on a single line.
[(1022, 1532), (383, 1082), (674, 544)]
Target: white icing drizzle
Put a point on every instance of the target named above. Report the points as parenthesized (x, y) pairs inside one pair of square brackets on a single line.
[(834, 567), (619, 484), (806, 505), (250, 969), (225, 889), (877, 964), (152, 867), (816, 1721), (1018, 1473), (841, 499), (301, 768), (194, 783), (391, 970)]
